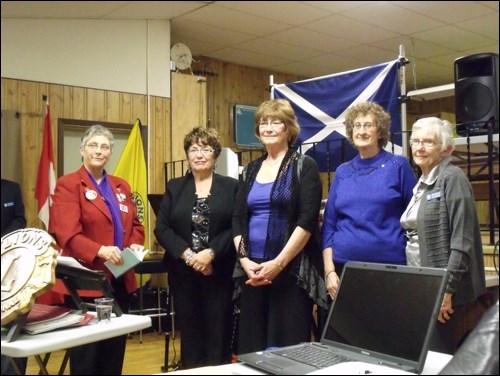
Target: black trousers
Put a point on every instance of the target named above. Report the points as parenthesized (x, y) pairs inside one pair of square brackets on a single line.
[(99, 358), (102, 357), (203, 314), (448, 337), (276, 315), (9, 369)]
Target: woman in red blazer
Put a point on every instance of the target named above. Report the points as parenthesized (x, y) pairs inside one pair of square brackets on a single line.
[(93, 217)]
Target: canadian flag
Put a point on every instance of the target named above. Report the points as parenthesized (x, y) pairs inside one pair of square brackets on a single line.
[(46, 180)]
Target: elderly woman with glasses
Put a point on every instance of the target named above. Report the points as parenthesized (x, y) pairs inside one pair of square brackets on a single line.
[(442, 227), (367, 197), (194, 228), (275, 229)]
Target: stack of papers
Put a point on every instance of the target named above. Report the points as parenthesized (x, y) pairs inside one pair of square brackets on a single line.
[(71, 262), (43, 318)]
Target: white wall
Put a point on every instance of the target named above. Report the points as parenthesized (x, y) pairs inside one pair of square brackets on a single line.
[(158, 75), (227, 163), (121, 55)]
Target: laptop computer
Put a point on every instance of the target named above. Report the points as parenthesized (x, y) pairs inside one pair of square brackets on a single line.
[(382, 314)]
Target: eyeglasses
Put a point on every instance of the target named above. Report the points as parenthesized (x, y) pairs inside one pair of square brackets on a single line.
[(427, 142), (273, 124), (94, 147), (204, 152), (366, 126)]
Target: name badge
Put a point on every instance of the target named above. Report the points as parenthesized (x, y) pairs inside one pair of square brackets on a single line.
[(120, 197), (433, 196), (8, 204), (91, 195), (124, 208)]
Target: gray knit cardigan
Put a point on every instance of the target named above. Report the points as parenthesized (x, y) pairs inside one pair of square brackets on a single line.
[(451, 236)]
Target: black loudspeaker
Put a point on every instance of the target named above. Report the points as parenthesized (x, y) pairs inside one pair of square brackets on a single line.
[(476, 93)]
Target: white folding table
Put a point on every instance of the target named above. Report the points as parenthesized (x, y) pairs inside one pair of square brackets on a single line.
[(27, 345)]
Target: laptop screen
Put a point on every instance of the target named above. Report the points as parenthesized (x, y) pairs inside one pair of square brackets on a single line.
[(386, 309)]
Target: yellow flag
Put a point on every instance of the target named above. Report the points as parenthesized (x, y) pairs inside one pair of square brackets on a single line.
[(132, 168)]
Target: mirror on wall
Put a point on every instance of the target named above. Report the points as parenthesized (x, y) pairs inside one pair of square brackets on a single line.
[(70, 132)]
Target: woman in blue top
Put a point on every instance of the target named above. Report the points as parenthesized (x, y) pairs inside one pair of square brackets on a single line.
[(367, 197), (275, 230)]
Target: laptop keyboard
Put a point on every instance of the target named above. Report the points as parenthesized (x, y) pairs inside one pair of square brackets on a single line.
[(312, 356)]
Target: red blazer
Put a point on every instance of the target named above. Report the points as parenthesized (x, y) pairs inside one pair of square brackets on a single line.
[(81, 222)]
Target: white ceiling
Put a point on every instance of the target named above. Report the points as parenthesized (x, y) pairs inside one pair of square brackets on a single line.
[(308, 38)]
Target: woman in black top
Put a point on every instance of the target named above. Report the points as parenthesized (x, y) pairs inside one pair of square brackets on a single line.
[(194, 227)]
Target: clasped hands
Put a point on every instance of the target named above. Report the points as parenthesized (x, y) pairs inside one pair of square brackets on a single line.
[(260, 274), (201, 262)]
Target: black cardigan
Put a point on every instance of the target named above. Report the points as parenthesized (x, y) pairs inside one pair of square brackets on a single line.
[(306, 196), (303, 211)]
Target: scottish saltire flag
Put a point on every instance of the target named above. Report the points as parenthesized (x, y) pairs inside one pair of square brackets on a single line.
[(320, 105)]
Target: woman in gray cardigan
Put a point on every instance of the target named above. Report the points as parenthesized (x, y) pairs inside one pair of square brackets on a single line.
[(442, 228)]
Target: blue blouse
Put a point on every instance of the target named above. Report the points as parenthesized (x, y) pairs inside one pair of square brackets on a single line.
[(259, 206)]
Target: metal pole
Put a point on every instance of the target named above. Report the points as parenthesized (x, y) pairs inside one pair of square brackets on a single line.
[(402, 82), (271, 84)]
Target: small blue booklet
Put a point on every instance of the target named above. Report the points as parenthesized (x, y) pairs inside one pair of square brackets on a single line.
[(130, 259)]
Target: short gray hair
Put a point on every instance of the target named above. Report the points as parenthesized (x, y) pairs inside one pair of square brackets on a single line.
[(443, 130), (98, 130)]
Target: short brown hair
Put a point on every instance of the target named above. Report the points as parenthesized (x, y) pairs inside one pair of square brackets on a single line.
[(203, 136)]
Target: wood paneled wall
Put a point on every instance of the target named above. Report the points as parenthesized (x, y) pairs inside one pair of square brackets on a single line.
[(431, 106), (189, 110), (230, 84), (25, 97)]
